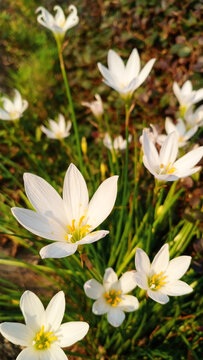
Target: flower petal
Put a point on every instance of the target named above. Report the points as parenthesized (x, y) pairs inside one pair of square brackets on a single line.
[(44, 198), (170, 126), (93, 289), (18, 334), (58, 250), (33, 310), (141, 279), (92, 237), (71, 332), (53, 353), (38, 224), (75, 194), (150, 152), (145, 71), (177, 267), (115, 317), (177, 288), (129, 303), (189, 160), (142, 262), (161, 260), (127, 281), (169, 149), (110, 279), (102, 202), (133, 65), (116, 64), (100, 307), (28, 353), (55, 311), (158, 296)]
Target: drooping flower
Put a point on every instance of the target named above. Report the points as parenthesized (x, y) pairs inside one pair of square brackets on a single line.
[(111, 297), (187, 96), (163, 165), (13, 110), (57, 129), (58, 24), (125, 79), (69, 221), (43, 335), (161, 277), (95, 106), (183, 135), (117, 144)]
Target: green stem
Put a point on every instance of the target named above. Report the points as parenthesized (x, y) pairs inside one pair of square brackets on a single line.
[(72, 111)]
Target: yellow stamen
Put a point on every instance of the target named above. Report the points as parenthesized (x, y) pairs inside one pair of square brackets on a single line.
[(157, 281), (43, 339), (112, 297)]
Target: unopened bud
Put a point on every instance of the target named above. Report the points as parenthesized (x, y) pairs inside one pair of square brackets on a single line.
[(84, 145), (103, 170)]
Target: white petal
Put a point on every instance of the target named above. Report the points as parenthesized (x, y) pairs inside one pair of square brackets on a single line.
[(181, 128), (198, 96), (141, 279), (127, 281), (48, 132), (110, 278), (189, 160), (170, 126), (169, 149), (39, 224), (177, 288), (115, 317), (102, 202), (161, 260), (129, 303), (17, 101), (72, 332), (4, 115), (33, 310), (55, 311), (142, 262), (92, 237), (186, 172), (28, 353), (133, 65), (186, 88), (75, 194), (177, 91), (150, 152), (115, 64), (59, 16), (53, 353), (44, 198), (58, 250), (72, 19), (158, 296), (177, 267), (8, 105), (145, 71), (93, 289), (18, 334), (106, 73), (100, 307)]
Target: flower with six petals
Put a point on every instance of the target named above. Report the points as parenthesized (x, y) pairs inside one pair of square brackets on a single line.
[(13, 110), (43, 335), (69, 221), (57, 129), (187, 96), (95, 106)]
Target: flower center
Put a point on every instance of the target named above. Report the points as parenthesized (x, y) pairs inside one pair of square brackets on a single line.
[(157, 281), (14, 114), (78, 232), (183, 111), (113, 297), (167, 169), (43, 339)]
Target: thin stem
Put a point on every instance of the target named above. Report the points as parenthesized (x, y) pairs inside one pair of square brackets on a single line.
[(72, 111)]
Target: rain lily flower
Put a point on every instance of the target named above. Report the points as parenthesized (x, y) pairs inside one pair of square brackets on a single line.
[(186, 96), (163, 165), (161, 277), (152, 133), (125, 79), (13, 110), (111, 297), (69, 221), (43, 335), (193, 119), (58, 24), (57, 130), (117, 144), (183, 135), (95, 106)]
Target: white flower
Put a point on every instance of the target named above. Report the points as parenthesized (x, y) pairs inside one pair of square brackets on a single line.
[(58, 130), (161, 278), (13, 110), (163, 165), (111, 297), (193, 119), (186, 96), (152, 133), (125, 79), (43, 335), (183, 135), (69, 221), (117, 144), (95, 106), (58, 24)]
